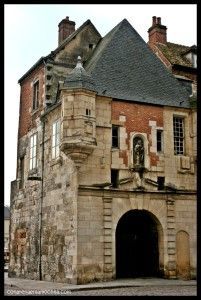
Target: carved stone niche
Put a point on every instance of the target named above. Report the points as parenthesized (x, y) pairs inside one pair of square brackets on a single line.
[(138, 154)]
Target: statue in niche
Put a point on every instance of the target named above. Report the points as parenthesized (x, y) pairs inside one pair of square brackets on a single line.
[(138, 152)]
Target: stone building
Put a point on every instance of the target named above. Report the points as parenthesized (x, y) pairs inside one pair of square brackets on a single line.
[(6, 233), (106, 163)]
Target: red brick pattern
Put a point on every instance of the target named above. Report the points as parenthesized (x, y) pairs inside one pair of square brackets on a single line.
[(137, 119), (27, 117)]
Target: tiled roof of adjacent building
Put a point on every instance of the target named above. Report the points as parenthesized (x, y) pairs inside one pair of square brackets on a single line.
[(124, 67), (6, 212), (175, 53)]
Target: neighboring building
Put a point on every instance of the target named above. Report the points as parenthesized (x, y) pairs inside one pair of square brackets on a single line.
[(106, 173), (6, 233), (179, 59)]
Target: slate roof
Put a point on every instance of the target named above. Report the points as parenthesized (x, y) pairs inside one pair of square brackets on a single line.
[(78, 78), (6, 212), (124, 67), (175, 53)]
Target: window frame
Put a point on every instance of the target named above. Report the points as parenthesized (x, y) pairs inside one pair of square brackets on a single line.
[(179, 136), (161, 150), (56, 135), (115, 176), (115, 144), (33, 151), (35, 100), (22, 164)]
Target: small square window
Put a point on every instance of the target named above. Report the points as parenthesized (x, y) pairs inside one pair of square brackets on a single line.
[(161, 183), (88, 112)]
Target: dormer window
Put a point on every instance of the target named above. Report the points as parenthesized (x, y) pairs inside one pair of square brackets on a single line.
[(191, 55)]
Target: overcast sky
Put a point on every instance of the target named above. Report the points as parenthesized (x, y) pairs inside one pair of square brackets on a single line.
[(31, 31)]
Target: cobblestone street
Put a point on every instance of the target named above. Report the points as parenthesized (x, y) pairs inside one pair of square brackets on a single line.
[(122, 291)]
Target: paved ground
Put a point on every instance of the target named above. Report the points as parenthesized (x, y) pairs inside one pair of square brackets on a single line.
[(124, 287)]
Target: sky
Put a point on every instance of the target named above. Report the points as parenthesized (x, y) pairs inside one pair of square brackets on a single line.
[(31, 31)]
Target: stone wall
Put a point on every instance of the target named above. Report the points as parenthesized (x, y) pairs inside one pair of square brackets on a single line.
[(99, 212)]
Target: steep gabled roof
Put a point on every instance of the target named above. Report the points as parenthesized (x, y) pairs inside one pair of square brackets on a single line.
[(72, 36), (59, 48), (175, 53), (124, 67)]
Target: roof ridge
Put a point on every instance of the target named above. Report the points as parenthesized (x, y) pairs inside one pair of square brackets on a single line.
[(107, 38)]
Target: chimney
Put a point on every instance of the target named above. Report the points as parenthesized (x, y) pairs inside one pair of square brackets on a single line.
[(157, 32), (66, 27)]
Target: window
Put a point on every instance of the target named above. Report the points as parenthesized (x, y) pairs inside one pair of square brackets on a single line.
[(88, 112), (55, 139), (178, 126), (115, 136), (33, 150), (161, 183), (21, 184), (159, 138), (114, 178), (35, 95)]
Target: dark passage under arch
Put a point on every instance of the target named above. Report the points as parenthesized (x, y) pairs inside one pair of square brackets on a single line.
[(137, 252)]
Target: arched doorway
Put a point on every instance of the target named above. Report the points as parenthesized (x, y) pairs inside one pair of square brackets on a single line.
[(137, 250)]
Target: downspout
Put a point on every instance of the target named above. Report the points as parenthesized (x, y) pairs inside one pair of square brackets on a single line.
[(41, 201)]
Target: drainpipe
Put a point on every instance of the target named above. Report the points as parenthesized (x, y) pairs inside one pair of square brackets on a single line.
[(41, 201), (40, 178)]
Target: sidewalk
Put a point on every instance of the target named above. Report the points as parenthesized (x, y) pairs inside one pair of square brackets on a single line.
[(27, 284)]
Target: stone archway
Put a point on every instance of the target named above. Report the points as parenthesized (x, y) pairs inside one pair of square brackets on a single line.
[(137, 245)]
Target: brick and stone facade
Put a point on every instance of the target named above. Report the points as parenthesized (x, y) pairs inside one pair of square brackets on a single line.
[(65, 215)]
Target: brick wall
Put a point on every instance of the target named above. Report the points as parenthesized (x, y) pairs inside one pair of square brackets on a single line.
[(27, 117), (137, 120)]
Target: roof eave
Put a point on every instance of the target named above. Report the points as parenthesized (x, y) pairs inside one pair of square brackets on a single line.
[(40, 61)]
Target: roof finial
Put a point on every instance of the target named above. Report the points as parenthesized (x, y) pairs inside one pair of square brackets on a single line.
[(79, 62)]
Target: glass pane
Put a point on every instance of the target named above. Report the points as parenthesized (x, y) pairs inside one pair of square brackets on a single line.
[(54, 128), (30, 164), (53, 152), (57, 151)]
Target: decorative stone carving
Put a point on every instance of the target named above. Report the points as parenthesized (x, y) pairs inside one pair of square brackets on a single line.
[(138, 152)]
